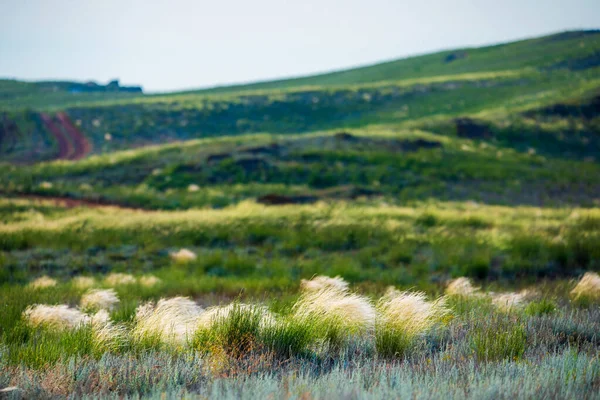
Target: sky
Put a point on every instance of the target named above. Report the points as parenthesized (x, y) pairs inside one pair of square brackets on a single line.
[(168, 45)]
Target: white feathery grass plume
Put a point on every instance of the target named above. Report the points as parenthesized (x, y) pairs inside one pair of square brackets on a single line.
[(324, 282), (509, 301), (409, 312), (43, 282), (587, 287), (214, 314), (462, 287), (118, 279), (60, 317), (173, 320), (150, 280), (332, 305), (83, 282), (193, 188), (100, 299), (107, 334), (183, 256)]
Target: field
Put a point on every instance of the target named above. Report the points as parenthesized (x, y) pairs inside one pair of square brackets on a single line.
[(423, 228)]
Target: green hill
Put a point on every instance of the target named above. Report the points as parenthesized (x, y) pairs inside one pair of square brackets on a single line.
[(515, 123)]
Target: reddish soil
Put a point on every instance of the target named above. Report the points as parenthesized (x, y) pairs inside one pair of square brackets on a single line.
[(72, 144)]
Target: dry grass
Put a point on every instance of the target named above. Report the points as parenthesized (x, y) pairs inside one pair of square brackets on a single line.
[(323, 282), (99, 299), (402, 318), (118, 279), (410, 312), (587, 289), (328, 302), (60, 317), (462, 287), (172, 320), (107, 334), (83, 282), (150, 281), (183, 256), (510, 301), (43, 282)]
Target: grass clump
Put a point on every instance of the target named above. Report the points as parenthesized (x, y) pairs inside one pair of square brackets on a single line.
[(235, 328), (43, 282), (541, 307), (508, 302), (119, 279), (402, 318), (83, 282), (339, 315), (59, 317), (462, 287), (99, 299), (183, 256), (171, 321), (587, 291), (502, 339)]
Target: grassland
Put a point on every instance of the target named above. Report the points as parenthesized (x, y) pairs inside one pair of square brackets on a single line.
[(424, 228)]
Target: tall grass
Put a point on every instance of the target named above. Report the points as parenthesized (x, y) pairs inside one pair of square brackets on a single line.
[(172, 321), (587, 290), (402, 318), (340, 315)]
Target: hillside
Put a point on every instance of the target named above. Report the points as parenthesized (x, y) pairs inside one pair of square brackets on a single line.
[(509, 124)]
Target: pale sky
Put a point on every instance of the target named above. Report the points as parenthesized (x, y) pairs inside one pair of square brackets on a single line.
[(183, 44)]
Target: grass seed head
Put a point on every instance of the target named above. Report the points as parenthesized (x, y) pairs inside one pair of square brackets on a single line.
[(509, 301), (587, 289), (324, 282), (60, 317), (183, 256), (173, 320), (83, 282), (43, 282), (341, 314), (118, 279), (410, 312), (99, 299), (150, 281), (462, 287)]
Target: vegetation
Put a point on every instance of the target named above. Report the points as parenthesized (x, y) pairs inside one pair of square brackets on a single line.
[(423, 228)]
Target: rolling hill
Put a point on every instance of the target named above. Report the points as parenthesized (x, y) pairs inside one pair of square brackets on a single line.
[(515, 123)]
